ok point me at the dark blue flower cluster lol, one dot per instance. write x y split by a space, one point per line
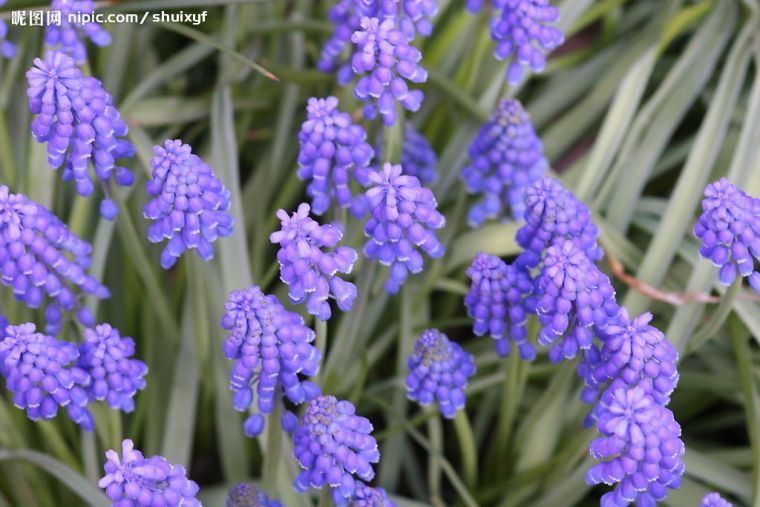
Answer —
310 273
507 156
497 303
69 34
107 357
729 228
78 121
417 156
333 445
365 496
248 495
190 203
334 151
131 480
553 212
521 33
41 373
271 347
403 218
7 48
714 500
438 371
40 257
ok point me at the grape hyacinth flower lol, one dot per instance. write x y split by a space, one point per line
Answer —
403 218
439 370
310 273
78 121
333 445
365 496
507 156
132 480
729 228
553 212
521 33
417 156
271 347
3 325
496 302
107 357
40 257
41 373
7 48
571 297
190 203
385 61
70 34
714 500
334 151
248 495
640 446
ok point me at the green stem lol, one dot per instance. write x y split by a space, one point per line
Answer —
9 164
468 448
117 434
273 445
435 435
718 317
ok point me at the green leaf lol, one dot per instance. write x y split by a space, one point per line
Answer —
493 239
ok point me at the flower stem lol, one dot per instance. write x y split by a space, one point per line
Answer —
325 498
435 435
273 446
468 448
320 328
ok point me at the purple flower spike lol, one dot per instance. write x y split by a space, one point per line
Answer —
507 157
271 347
439 370
553 212
729 228
714 500
497 303
39 371
403 219
310 273
78 121
365 496
7 48
135 481
333 445
640 446
385 61
116 377
334 150
571 296
190 203
521 34
417 156
40 257
248 495
70 34
3 325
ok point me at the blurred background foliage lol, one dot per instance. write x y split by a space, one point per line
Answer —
646 102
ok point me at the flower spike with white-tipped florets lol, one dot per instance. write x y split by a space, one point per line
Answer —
131 480
271 347
189 206
714 500
69 34
311 274
365 496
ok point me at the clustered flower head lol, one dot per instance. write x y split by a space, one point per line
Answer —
729 228
553 212
131 480
7 48
333 445
496 302
521 33
248 495
365 496
189 206
40 257
41 374
438 371
571 296
417 156
333 152
403 218
385 61
640 446
714 500
271 347
78 121
70 34
107 357
507 156
310 273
